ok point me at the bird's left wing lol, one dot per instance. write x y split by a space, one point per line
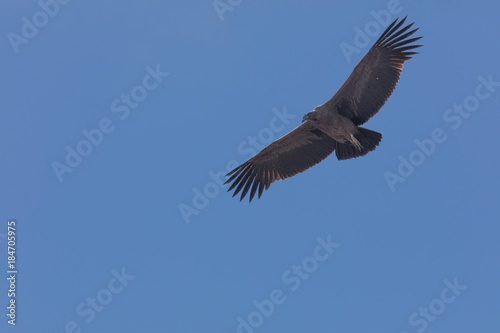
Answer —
373 80
294 153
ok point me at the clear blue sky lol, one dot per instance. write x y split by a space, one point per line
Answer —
118 119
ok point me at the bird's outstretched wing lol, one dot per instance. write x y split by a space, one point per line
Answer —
295 152
373 80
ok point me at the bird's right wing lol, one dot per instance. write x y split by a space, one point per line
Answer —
294 153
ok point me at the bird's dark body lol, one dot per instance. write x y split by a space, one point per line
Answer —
336 125
329 120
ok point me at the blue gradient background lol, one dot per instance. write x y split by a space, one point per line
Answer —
120 208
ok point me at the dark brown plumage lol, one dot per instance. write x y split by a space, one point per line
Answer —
333 126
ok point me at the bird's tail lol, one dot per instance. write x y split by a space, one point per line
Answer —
362 142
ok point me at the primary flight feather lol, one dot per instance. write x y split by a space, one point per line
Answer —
335 125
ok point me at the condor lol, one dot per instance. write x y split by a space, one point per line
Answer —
335 125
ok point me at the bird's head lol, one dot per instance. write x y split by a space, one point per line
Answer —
312 116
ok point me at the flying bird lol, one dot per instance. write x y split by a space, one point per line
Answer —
335 125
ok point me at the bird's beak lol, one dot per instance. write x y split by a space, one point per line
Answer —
309 116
